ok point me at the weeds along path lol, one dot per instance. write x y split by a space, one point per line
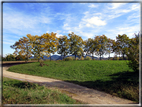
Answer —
89 96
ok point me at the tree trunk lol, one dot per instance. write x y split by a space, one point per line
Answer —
64 55
75 56
100 56
92 57
123 57
50 57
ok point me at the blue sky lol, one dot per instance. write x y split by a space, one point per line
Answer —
84 19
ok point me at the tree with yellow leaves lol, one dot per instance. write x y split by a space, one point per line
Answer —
101 45
23 48
51 43
90 46
76 44
122 44
110 46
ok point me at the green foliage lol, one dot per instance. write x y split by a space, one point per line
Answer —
133 53
63 46
68 59
113 77
121 45
18 92
88 58
76 44
115 57
101 45
9 57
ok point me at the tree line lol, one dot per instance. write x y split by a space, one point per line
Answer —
49 43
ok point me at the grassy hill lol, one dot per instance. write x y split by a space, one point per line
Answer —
113 77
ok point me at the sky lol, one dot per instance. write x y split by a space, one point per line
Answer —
84 19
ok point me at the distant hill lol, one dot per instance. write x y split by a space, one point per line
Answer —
57 57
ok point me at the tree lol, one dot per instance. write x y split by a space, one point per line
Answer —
38 46
133 53
76 44
90 46
9 57
101 45
63 46
110 44
116 48
122 43
23 47
51 43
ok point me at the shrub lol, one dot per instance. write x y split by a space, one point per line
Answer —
47 60
133 53
9 57
41 60
68 59
82 58
59 60
88 58
76 58
115 57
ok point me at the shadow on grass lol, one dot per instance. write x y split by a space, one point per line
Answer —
124 84
15 63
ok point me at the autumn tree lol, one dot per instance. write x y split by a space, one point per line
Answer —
23 48
110 45
90 46
63 46
51 43
101 45
38 46
76 44
122 43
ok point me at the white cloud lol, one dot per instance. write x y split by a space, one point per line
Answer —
116 5
94 21
117 12
135 7
126 29
93 6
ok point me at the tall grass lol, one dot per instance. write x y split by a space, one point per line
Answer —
113 77
18 92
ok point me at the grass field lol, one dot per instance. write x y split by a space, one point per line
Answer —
113 77
18 92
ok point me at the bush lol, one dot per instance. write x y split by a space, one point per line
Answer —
41 60
133 53
88 58
82 58
47 59
76 58
9 57
68 59
116 58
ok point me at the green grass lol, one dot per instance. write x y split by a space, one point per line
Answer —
18 92
113 77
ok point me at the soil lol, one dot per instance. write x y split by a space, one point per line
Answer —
80 93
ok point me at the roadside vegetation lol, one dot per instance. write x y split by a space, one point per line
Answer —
117 77
111 76
18 92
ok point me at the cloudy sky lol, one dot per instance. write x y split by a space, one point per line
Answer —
84 19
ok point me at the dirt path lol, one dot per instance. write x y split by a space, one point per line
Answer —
77 92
